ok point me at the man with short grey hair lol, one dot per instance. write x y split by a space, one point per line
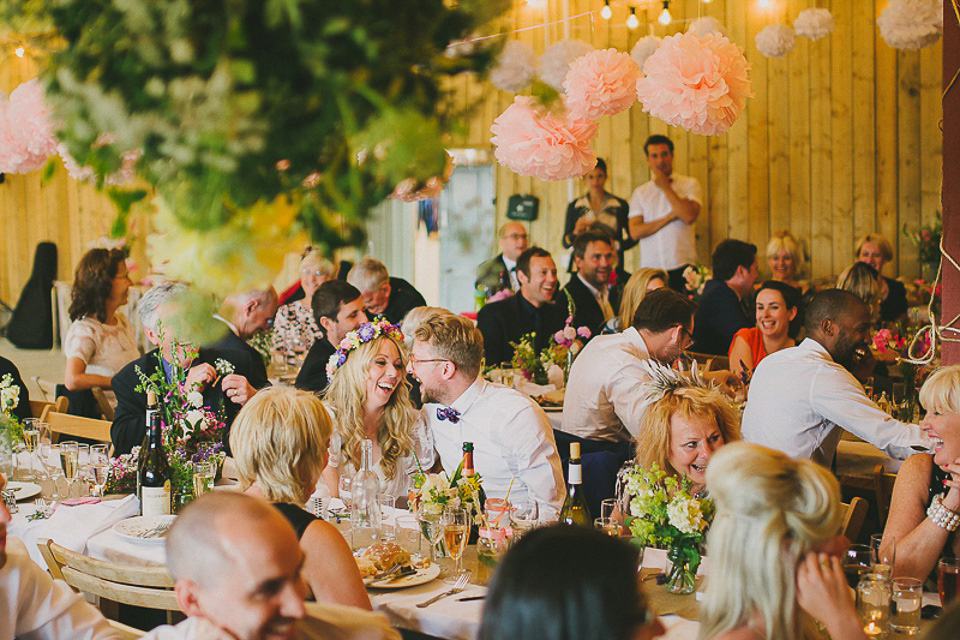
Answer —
245 314
236 562
383 295
158 308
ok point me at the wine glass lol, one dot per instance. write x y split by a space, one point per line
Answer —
344 486
70 459
884 554
857 561
456 532
31 439
50 459
431 524
99 468
525 516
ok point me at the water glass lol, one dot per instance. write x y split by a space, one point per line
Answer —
607 507
99 467
906 603
431 526
388 506
873 605
345 490
948 579
608 525
883 554
857 562
525 516
50 459
203 474
408 533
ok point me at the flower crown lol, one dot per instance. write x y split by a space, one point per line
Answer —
361 335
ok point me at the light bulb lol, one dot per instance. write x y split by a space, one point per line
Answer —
665 16
707 1
537 4
606 13
632 21
763 4
19 52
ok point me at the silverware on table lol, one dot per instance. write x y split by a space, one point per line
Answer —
458 586
471 598
155 532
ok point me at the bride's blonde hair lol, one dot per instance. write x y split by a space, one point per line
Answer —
771 511
346 396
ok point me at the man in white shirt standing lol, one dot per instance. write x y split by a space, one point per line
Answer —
800 396
34 605
511 435
663 212
605 398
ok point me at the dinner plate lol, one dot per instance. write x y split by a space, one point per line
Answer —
551 409
422 576
23 490
131 528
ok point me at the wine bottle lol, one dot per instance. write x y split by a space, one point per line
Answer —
574 509
153 477
467 464
365 523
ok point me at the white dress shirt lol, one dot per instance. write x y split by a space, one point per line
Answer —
511 437
511 266
33 605
604 398
799 396
675 244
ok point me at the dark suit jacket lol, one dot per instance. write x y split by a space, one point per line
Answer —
588 312
403 297
493 275
22 410
718 318
313 373
129 422
895 305
233 342
506 321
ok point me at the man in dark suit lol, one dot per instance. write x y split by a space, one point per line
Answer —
382 295
338 309
244 315
231 392
594 300
500 273
721 313
531 309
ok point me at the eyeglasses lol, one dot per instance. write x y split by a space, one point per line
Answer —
687 333
415 361
312 272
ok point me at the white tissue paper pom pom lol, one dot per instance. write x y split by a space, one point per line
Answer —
555 61
707 24
644 48
776 40
515 68
911 24
813 23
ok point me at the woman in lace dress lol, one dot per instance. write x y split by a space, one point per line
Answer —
100 341
295 328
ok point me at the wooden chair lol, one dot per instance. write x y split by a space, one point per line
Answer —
105 407
704 360
883 487
64 424
149 587
37 407
124 632
48 390
853 517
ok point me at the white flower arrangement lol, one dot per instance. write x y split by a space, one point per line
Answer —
813 23
515 68
911 24
776 40
9 394
195 398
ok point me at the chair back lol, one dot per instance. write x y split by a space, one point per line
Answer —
60 405
124 632
64 424
883 487
853 517
149 587
105 407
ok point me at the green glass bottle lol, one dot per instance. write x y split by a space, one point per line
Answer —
574 509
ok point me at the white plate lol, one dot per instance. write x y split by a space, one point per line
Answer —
132 527
23 490
422 576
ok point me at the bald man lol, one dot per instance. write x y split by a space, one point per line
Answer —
500 273
244 315
236 562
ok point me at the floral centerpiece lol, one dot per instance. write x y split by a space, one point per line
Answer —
892 346
695 277
663 513
11 431
927 240
560 352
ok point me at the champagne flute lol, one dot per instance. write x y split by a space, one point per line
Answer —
31 439
99 468
70 459
456 532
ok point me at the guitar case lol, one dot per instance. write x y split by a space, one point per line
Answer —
31 326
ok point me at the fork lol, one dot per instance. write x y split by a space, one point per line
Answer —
458 586
158 530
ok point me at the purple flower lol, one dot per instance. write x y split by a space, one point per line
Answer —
341 358
366 332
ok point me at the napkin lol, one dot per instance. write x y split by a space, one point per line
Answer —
71 528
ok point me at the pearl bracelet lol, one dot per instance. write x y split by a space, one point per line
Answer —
942 516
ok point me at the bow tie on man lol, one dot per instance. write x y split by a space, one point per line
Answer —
446 413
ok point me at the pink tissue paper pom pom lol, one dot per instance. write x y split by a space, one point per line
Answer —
601 83
698 83
30 129
534 142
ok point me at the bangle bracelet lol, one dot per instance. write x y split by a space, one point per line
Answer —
942 516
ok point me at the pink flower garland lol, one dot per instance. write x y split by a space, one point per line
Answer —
601 83
26 133
533 142
698 83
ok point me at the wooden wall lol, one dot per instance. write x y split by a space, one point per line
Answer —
841 139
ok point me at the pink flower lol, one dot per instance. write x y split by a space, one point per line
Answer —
570 334
881 340
601 83
583 332
534 142
559 338
698 83
29 132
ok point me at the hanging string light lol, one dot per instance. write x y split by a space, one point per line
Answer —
632 21
606 13
665 16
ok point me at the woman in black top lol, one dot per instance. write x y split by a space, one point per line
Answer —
598 208
280 440
876 251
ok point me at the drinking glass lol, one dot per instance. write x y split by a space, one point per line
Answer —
431 526
408 533
883 554
607 507
497 511
608 525
906 602
525 516
70 459
31 438
948 578
99 467
203 475
388 506
873 604
50 459
344 488
83 468
456 532
857 561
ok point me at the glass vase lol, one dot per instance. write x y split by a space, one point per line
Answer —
681 575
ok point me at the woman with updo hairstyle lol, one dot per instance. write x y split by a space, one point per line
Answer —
369 399
863 281
770 573
294 323
568 583
100 341
279 442
640 283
